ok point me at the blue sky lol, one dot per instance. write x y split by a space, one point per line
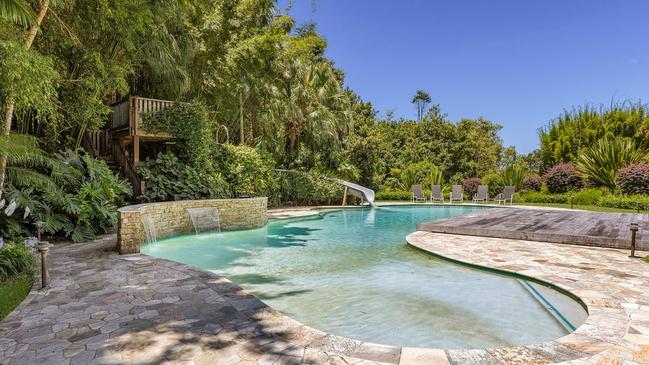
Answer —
517 63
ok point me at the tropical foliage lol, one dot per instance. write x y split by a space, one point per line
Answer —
514 176
189 124
580 128
72 193
600 163
166 178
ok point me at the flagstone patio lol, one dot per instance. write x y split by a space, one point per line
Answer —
106 308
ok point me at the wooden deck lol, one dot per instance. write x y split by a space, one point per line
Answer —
557 226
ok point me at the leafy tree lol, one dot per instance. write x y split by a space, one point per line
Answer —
421 101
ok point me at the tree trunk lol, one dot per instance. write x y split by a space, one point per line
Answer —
11 102
241 131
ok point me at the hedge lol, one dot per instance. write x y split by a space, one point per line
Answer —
624 202
395 195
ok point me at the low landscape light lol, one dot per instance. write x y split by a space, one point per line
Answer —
634 229
572 200
43 248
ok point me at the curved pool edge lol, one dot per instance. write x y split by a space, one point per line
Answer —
598 334
600 339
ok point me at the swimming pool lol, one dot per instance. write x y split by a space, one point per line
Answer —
350 273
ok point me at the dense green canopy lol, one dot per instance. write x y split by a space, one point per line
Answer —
256 72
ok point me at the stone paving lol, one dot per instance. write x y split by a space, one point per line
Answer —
106 308
614 287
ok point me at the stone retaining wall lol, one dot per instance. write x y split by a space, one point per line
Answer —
171 218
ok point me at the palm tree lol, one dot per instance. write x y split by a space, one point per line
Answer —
421 100
17 11
306 106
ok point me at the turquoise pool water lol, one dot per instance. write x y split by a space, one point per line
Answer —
350 273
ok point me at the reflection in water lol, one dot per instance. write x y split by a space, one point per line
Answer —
350 273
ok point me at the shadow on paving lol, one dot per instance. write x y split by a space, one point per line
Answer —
111 309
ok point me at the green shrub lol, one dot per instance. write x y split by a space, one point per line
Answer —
624 201
634 179
587 196
304 188
166 178
393 195
537 197
15 259
247 170
190 124
532 182
562 178
495 183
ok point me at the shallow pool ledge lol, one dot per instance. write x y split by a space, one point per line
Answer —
610 284
171 218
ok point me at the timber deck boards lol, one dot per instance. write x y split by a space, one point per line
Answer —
556 226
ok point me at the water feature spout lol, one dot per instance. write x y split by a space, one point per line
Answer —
205 219
149 228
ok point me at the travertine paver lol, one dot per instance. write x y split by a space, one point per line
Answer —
135 309
547 225
614 287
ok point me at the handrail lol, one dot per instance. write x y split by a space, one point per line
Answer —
119 156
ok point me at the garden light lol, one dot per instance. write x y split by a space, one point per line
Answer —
634 228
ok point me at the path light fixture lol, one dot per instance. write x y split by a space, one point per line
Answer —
637 206
43 247
39 228
634 228
572 200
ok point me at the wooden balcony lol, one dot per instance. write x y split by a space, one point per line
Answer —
127 116
126 123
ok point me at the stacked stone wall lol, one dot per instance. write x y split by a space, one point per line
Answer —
171 218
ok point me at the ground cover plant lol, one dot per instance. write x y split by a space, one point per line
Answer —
17 265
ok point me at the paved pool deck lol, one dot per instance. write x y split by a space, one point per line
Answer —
548 225
106 308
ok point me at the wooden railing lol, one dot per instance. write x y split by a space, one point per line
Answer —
120 158
145 105
129 113
97 143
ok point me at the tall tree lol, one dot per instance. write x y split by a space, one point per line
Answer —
29 40
421 101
